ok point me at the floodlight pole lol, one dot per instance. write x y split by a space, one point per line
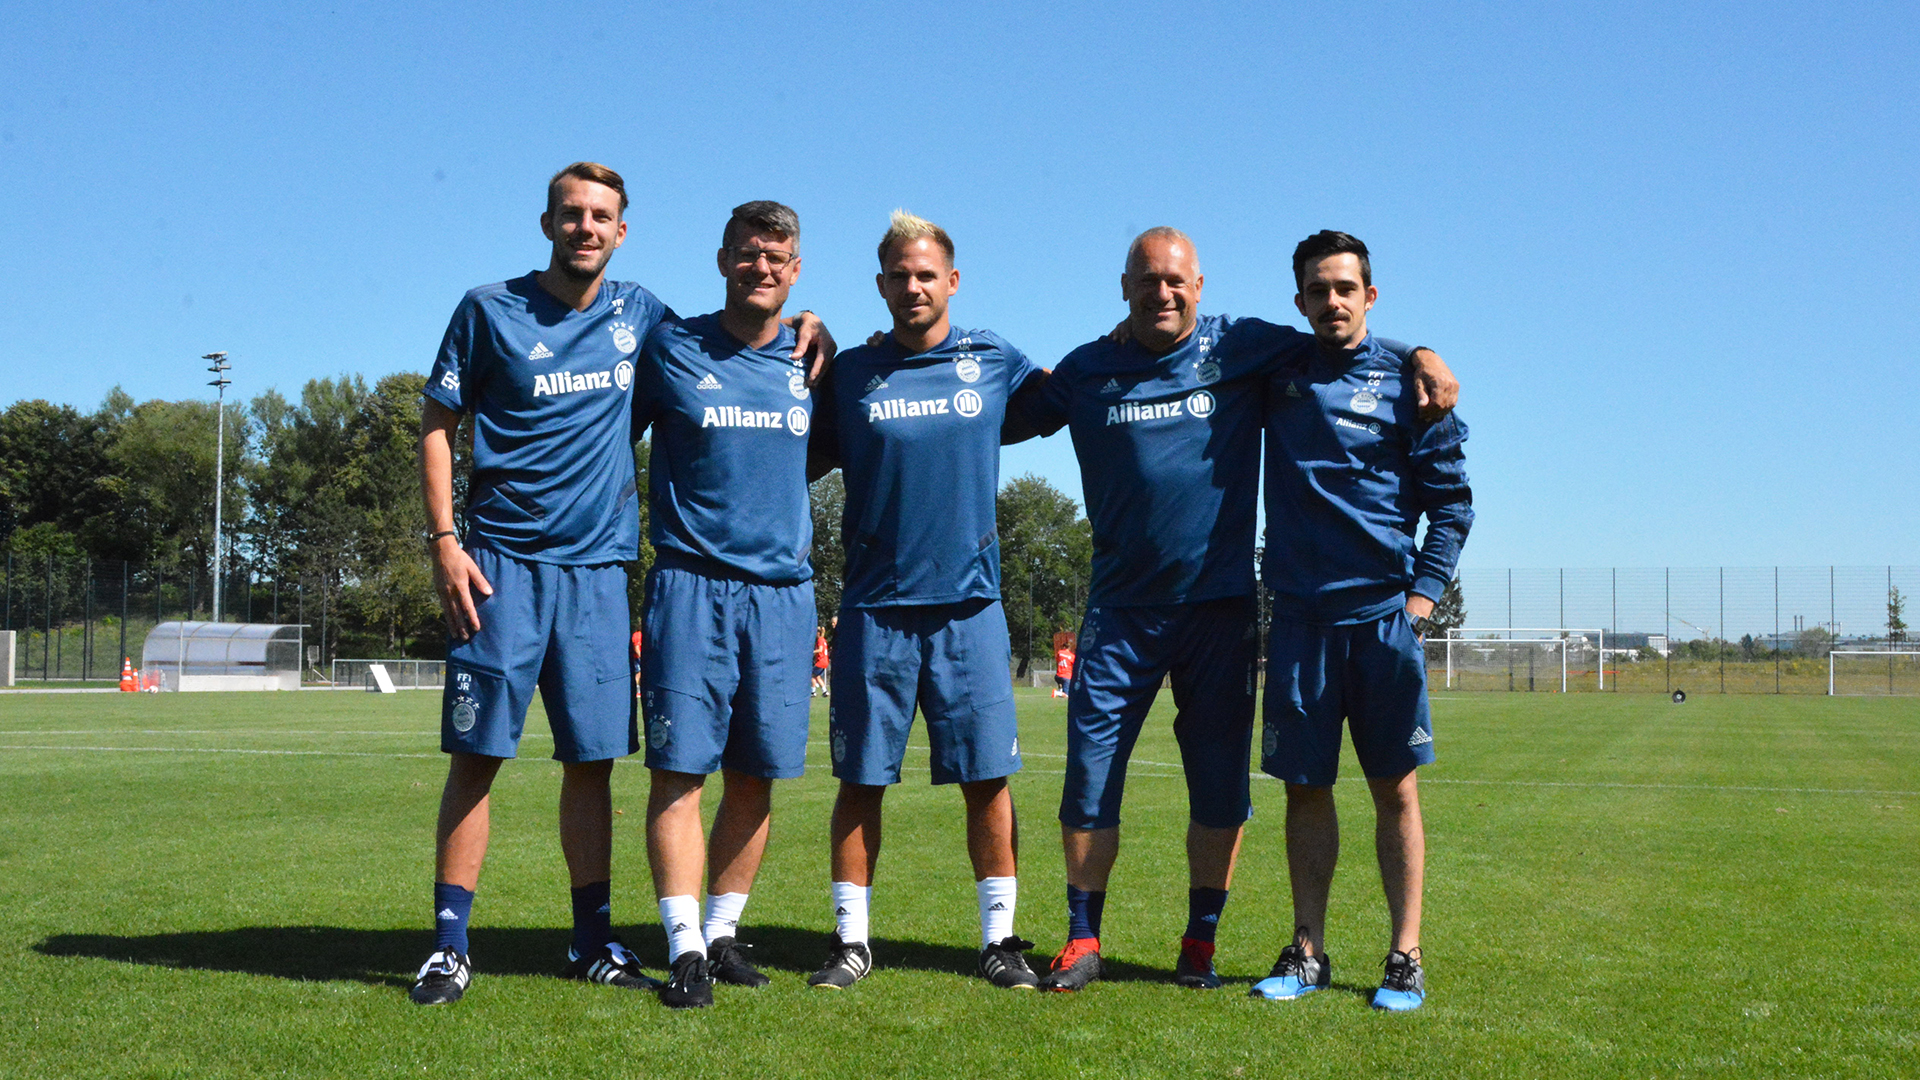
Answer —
220 382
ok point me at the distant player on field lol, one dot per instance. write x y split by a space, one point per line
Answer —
730 595
1351 470
537 597
1166 425
821 655
1062 667
919 427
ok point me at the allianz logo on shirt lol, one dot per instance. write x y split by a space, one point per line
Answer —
1197 404
795 419
967 403
566 382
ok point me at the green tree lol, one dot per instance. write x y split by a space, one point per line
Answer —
829 498
163 452
1896 615
1046 560
1451 611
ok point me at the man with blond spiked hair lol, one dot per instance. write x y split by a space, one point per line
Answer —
918 418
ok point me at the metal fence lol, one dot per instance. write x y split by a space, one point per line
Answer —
406 674
80 619
1733 629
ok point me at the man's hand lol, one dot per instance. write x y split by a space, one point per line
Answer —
1418 607
875 339
1121 333
811 338
1436 388
456 579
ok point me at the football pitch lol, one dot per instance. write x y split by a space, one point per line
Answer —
237 885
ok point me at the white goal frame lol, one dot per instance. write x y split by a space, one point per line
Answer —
1861 652
1537 634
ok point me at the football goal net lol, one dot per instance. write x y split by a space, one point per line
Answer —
1879 672
1531 659
406 674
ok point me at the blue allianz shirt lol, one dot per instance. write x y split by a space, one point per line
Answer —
1169 449
1351 469
728 481
917 437
550 390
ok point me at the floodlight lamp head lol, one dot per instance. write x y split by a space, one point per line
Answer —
215 356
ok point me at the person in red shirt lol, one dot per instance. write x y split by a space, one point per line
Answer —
820 656
1062 669
636 663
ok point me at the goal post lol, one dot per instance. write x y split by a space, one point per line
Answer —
1481 657
1873 671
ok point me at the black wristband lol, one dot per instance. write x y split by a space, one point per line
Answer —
431 537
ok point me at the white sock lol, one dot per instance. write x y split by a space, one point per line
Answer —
681 916
723 915
850 910
997 896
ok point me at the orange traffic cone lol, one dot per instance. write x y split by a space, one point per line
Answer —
129 682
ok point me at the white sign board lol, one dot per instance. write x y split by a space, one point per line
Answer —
378 680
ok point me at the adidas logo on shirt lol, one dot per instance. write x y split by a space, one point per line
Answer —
878 383
1293 390
1112 387
540 352
708 383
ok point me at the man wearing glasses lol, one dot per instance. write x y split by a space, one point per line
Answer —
729 615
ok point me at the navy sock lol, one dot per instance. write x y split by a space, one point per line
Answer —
1083 912
592 917
1203 912
452 907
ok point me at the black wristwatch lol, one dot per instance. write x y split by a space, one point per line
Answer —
1422 625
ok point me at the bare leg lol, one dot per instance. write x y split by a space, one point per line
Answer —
586 820
993 835
1090 855
855 832
740 830
1400 840
1211 854
1313 847
460 839
676 849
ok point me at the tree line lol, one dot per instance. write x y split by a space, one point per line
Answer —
321 498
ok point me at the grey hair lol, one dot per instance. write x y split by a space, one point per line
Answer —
1160 232
764 216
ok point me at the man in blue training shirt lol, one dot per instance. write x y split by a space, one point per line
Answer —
537 596
918 425
729 615
1351 469
1166 424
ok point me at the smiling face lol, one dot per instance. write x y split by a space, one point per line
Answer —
916 280
755 284
585 226
1162 289
1335 298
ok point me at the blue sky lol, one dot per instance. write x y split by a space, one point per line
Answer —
1671 249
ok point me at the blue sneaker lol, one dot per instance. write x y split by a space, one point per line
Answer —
1405 987
1294 975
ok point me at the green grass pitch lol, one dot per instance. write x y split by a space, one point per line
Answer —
236 885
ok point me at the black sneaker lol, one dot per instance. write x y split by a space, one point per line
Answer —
611 965
688 985
847 963
727 963
1405 987
1003 965
1295 975
1194 969
442 979
1077 965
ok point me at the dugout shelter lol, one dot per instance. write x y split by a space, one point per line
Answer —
223 656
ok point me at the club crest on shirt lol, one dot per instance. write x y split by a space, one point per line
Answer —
465 712
1207 372
623 338
1364 401
967 368
797 385
659 730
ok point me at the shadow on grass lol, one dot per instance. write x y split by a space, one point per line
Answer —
389 957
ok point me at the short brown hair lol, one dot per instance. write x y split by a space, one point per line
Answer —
587 170
907 227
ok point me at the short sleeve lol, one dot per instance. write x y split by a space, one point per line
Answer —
649 380
452 382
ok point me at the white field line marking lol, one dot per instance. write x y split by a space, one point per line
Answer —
191 731
214 750
1674 787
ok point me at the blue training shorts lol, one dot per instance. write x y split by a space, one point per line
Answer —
952 660
564 629
1125 652
724 677
1372 675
